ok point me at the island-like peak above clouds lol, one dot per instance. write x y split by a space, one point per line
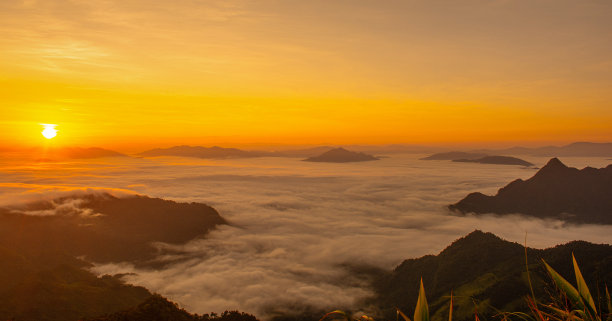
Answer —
555 191
454 155
341 155
498 160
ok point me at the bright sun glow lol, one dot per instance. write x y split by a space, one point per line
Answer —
49 131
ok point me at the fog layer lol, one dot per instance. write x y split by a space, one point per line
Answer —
297 228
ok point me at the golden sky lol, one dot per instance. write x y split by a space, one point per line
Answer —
145 72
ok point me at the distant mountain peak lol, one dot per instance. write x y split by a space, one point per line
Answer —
475 238
555 163
553 167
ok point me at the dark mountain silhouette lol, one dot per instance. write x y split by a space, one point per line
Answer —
42 279
499 160
454 155
481 268
158 308
341 155
50 285
555 191
103 227
204 152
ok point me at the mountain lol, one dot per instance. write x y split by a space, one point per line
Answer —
204 152
499 160
454 155
91 152
341 155
578 149
303 152
50 285
555 191
43 280
102 227
74 153
485 270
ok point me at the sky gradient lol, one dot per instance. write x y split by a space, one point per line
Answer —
159 73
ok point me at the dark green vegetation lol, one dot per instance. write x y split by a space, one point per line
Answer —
158 308
54 286
555 191
499 160
102 227
341 155
486 274
42 279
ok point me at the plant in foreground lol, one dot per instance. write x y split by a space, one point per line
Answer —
579 304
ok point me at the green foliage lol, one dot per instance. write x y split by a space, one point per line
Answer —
582 307
421 312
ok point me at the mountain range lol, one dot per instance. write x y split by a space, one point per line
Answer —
578 149
555 191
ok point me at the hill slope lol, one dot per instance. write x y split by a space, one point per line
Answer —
484 268
103 227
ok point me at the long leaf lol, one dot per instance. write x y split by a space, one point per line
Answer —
609 305
450 309
399 312
342 313
421 312
565 286
583 290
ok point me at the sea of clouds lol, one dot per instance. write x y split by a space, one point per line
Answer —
297 229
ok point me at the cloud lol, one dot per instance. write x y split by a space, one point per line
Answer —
297 230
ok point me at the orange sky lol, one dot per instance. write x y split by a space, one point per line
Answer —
142 72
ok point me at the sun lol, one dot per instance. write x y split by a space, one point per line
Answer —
49 130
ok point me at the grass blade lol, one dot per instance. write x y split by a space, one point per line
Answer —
609 305
342 313
399 312
421 312
565 286
583 290
450 309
